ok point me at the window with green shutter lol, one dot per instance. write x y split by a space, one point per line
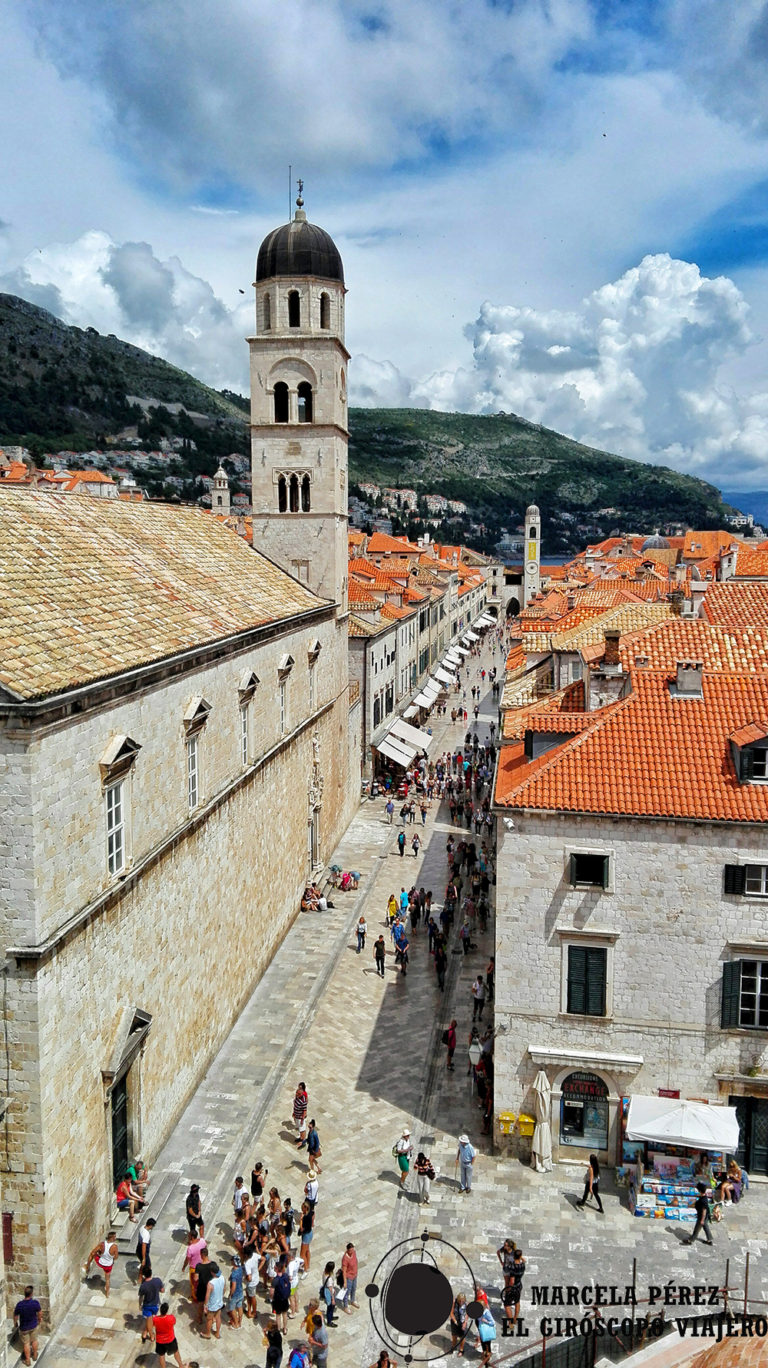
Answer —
734 879
587 974
589 871
745 994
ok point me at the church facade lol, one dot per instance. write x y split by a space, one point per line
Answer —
178 753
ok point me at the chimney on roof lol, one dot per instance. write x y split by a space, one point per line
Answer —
570 602
689 677
611 656
676 599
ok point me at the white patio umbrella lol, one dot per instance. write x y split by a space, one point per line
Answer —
541 1149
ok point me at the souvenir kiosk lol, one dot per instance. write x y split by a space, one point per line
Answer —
663 1141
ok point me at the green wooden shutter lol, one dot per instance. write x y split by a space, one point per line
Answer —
577 979
745 771
572 871
729 1010
735 880
596 975
606 863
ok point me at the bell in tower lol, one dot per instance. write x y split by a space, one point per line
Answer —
299 407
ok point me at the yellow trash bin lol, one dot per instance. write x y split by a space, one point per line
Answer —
526 1124
506 1122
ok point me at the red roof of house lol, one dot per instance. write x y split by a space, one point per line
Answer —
736 605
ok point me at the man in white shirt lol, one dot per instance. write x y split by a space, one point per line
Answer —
478 994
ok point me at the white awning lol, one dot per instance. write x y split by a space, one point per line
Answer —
394 750
672 1121
432 687
411 735
444 676
461 650
411 710
454 656
487 621
470 636
425 700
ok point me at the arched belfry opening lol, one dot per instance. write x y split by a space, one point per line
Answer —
305 402
294 494
305 494
267 313
282 495
281 402
325 310
294 309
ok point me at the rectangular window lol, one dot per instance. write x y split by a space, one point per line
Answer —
756 879
760 763
589 871
587 973
745 994
283 710
193 785
244 735
115 813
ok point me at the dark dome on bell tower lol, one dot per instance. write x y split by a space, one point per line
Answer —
299 248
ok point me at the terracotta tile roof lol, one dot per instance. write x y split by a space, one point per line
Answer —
516 659
390 610
526 688
747 735
628 618
90 588
77 477
561 712
396 565
357 627
652 755
359 595
360 566
413 596
700 545
379 543
736 605
751 563
718 648
355 538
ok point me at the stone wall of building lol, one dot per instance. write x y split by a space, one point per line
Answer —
668 927
184 936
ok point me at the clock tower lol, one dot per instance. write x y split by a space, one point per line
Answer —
531 554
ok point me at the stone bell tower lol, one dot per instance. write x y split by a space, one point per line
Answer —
299 407
532 554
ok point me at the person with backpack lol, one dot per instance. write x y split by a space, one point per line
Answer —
402 1151
425 1174
328 1293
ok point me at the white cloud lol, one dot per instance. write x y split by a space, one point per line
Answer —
634 370
158 305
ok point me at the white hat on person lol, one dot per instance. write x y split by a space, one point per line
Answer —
463 1139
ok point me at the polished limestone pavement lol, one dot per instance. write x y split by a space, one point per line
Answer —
370 1052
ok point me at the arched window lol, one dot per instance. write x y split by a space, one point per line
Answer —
294 493
325 310
218 501
282 495
305 402
294 309
305 494
267 313
532 533
281 402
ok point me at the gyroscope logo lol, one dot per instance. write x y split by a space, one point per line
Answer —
412 1294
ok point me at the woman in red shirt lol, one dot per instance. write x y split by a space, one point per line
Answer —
164 1335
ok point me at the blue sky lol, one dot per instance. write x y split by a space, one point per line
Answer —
555 207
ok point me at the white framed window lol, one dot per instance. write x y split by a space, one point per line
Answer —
760 762
193 773
311 688
283 708
756 879
114 805
245 738
745 994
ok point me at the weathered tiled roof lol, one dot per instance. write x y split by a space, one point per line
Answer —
736 605
92 587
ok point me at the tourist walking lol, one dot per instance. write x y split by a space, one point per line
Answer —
27 1315
236 1295
465 1158
194 1211
459 1323
328 1293
402 1151
105 1254
214 1304
150 1291
449 1039
425 1174
313 1146
592 1183
379 951
415 844
164 1335
273 1339
361 929
478 996
702 1216
401 843
306 1234
510 1297
143 1245
300 1108
486 1334
390 810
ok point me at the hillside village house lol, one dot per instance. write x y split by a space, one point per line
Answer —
632 915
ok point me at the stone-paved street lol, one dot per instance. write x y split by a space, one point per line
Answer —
370 1052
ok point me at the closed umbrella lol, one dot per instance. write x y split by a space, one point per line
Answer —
541 1148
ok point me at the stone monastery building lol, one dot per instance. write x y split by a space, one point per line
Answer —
177 740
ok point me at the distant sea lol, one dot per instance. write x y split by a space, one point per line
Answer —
754 501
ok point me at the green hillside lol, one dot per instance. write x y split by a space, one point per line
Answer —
63 387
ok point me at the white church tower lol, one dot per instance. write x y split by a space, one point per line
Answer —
299 407
532 562
220 502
